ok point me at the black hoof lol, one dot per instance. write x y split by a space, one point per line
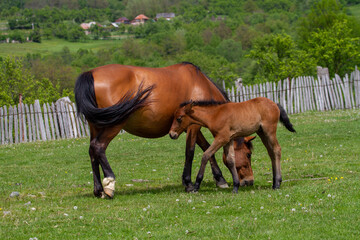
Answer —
189 188
276 187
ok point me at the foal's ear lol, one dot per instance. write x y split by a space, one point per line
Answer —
249 139
188 107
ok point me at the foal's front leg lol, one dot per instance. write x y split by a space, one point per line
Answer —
216 145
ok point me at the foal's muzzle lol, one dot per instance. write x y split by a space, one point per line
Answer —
173 135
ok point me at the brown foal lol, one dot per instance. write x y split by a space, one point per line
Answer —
227 121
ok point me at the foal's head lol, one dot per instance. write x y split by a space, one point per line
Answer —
181 121
243 150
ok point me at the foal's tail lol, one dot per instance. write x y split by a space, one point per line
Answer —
285 119
110 116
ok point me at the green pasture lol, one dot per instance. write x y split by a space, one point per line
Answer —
51 46
319 198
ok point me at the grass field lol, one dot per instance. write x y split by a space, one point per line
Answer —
319 198
50 46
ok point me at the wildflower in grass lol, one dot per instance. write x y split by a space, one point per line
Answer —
65 214
329 195
217 206
287 195
75 207
148 232
261 207
154 170
293 209
207 212
177 200
0 209
189 201
81 217
144 209
186 231
193 208
33 209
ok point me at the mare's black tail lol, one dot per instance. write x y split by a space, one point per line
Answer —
110 116
284 119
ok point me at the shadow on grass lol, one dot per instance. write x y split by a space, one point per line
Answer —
206 188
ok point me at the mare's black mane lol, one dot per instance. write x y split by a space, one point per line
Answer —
219 88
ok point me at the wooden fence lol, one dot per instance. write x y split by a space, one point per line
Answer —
306 93
28 123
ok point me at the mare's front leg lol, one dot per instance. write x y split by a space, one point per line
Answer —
191 134
230 164
100 139
204 145
216 145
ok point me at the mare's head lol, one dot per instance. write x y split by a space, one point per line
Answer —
181 121
243 150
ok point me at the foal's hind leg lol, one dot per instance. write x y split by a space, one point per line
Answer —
268 137
100 139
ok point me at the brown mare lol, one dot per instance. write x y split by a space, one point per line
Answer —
227 121
141 101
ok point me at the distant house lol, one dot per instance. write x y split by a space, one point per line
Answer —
140 19
87 26
122 20
167 16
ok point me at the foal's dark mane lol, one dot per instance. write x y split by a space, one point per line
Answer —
202 103
219 88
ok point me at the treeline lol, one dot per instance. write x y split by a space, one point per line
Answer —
257 40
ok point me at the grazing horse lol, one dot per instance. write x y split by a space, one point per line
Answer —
141 101
227 121
243 150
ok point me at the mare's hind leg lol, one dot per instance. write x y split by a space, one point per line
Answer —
268 137
230 164
204 145
100 139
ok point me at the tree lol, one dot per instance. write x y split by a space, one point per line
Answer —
35 35
14 80
323 15
277 58
335 48
230 50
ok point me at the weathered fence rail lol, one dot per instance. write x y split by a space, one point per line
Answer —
305 93
28 123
